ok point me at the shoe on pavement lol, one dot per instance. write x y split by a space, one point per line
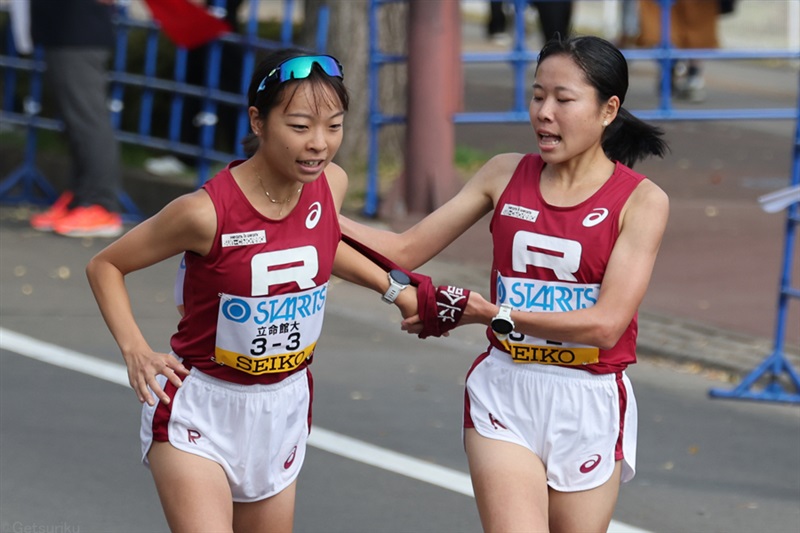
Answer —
44 221
89 221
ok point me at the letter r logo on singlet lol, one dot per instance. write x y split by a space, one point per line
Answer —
562 256
298 265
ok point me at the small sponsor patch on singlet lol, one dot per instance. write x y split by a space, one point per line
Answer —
244 239
269 334
522 213
524 294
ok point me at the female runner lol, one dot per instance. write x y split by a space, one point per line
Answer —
550 416
226 415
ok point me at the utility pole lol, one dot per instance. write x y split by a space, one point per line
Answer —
434 95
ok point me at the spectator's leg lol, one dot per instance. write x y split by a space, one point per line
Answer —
497 19
79 81
555 17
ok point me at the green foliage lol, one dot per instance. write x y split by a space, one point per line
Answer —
469 159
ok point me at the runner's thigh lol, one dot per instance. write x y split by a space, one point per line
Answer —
273 515
510 484
596 507
194 491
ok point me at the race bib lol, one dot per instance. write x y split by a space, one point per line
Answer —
269 334
549 297
532 350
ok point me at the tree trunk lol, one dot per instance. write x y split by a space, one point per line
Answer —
348 41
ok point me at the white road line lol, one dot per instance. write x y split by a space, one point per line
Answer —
398 463
63 357
323 439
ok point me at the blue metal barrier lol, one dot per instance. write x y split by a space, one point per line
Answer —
27 184
35 186
776 366
520 58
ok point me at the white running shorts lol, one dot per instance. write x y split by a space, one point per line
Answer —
570 418
257 433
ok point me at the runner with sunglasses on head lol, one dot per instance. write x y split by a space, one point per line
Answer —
550 416
226 415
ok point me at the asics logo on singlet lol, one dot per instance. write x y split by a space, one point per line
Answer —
591 464
314 215
595 217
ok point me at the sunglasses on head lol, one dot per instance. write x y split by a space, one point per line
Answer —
298 68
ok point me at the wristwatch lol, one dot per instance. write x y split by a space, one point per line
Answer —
398 280
502 324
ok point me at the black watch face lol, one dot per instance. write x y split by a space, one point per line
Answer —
400 277
502 326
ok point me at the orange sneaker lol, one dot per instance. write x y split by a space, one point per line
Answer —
89 221
44 221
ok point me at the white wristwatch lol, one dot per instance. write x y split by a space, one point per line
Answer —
502 325
398 280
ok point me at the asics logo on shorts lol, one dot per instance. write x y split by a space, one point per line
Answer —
289 460
496 424
591 464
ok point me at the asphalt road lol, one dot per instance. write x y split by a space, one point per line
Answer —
69 452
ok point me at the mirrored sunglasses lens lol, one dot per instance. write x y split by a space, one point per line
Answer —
300 67
297 68
329 65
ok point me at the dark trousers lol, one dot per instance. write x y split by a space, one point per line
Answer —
555 17
497 18
229 81
77 78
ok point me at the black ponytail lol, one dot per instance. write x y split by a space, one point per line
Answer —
630 140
